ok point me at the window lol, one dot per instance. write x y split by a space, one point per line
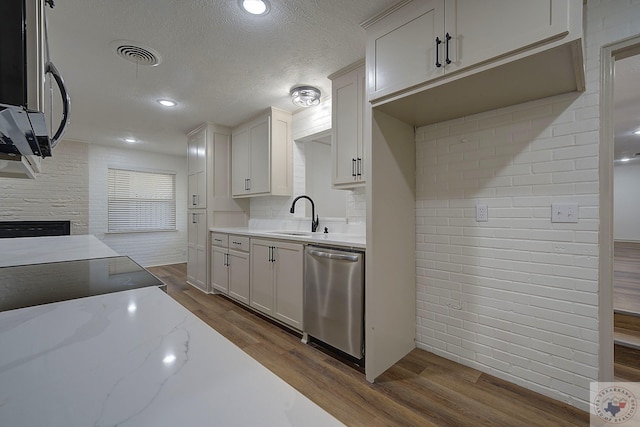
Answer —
141 201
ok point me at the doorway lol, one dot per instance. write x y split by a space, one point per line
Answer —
619 210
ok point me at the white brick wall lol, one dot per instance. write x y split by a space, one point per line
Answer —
60 192
147 249
517 296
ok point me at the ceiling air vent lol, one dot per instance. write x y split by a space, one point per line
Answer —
136 53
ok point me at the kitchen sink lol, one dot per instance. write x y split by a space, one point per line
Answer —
292 233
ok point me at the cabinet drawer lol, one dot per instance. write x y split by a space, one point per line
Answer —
239 243
218 239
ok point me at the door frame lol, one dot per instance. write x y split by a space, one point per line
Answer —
609 54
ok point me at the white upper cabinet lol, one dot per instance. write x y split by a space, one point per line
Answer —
419 41
197 165
402 47
483 30
262 156
347 116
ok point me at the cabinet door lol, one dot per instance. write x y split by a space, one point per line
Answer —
219 269
192 228
197 190
288 283
262 271
201 269
196 158
240 162
348 104
239 283
221 166
401 48
260 157
192 261
485 30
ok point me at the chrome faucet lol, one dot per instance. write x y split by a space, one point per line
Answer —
314 222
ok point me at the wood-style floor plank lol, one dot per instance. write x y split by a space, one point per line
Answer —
422 389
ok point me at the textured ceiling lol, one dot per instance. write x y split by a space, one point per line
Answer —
219 63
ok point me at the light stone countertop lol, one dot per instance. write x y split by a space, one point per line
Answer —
349 241
135 358
38 250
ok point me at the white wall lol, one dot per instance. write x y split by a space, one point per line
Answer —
60 192
148 249
626 202
517 296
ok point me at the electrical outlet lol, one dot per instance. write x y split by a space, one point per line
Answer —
564 212
482 213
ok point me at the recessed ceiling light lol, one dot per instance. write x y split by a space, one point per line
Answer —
637 132
130 140
625 159
255 7
167 102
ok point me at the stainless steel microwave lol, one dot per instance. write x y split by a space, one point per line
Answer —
24 70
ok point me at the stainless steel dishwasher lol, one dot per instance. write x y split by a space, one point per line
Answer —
333 310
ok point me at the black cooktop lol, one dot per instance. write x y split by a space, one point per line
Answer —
28 285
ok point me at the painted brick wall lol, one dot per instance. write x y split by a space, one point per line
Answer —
148 249
60 192
517 296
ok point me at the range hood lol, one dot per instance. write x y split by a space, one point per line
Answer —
24 135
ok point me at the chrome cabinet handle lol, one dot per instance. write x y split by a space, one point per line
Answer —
193 200
193 219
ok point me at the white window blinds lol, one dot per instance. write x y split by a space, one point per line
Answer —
141 201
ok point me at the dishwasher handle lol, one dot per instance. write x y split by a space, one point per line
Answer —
331 255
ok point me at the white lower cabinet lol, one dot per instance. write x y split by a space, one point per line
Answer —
276 280
230 266
239 284
197 249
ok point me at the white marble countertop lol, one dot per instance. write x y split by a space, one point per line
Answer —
135 358
353 241
38 250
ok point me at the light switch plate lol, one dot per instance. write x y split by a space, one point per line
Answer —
564 212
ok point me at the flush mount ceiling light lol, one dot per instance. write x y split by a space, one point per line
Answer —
130 140
625 159
255 7
167 102
305 96
637 132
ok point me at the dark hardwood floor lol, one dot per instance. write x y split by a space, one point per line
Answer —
420 390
